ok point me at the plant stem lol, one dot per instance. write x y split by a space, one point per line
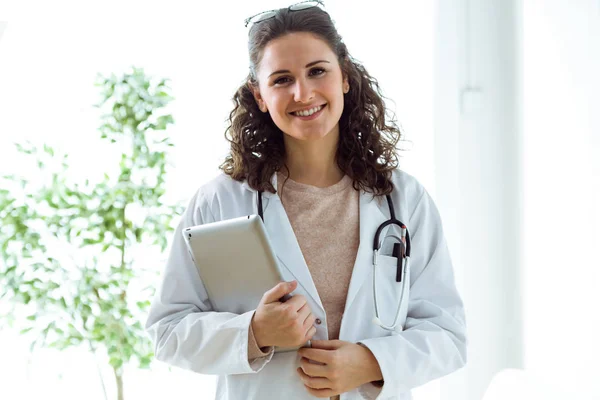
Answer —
119 378
124 293
99 371
124 237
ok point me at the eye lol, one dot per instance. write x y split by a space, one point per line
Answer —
280 80
320 71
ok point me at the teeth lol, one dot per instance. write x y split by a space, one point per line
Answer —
306 113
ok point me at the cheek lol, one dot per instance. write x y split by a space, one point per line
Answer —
335 93
279 104
337 97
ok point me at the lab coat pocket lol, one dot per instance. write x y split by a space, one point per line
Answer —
392 296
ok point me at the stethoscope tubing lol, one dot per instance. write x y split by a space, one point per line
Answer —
405 255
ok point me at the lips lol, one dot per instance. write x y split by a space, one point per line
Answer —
311 117
321 106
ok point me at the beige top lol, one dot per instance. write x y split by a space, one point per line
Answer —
314 214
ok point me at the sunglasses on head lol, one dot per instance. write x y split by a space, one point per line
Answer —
265 15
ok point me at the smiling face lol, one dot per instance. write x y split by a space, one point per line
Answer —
299 72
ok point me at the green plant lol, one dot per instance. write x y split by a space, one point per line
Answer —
68 249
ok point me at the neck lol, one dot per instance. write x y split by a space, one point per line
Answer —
313 162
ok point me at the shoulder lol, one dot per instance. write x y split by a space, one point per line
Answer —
221 198
407 189
221 184
415 203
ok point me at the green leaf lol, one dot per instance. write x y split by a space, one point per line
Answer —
145 362
163 121
48 150
89 242
90 220
143 304
116 363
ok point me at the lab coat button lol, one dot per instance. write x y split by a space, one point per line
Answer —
318 321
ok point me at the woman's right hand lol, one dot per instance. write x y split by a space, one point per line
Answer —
288 324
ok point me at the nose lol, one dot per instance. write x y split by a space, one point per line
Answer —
303 91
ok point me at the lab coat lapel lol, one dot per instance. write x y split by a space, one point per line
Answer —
373 212
285 244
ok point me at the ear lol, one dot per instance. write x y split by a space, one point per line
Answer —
259 100
345 84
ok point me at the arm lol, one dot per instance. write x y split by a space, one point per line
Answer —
372 365
254 351
185 330
433 342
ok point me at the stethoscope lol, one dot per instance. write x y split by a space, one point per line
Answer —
401 251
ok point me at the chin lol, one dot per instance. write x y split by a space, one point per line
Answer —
311 134
306 137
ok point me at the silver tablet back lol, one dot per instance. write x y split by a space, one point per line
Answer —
235 261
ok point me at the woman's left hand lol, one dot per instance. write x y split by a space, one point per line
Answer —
342 366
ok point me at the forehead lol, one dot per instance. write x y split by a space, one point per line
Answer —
293 51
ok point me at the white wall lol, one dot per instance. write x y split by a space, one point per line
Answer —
562 191
517 170
477 144
2 28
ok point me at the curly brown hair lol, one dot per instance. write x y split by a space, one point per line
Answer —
367 146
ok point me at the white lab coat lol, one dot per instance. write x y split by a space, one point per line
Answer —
188 334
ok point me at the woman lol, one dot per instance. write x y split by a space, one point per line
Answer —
309 137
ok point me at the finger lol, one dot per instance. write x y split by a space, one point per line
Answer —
314 370
278 291
304 313
310 333
320 393
327 344
309 322
314 382
296 303
323 356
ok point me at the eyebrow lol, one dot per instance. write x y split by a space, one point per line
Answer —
283 71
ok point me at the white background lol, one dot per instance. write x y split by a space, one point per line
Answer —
499 98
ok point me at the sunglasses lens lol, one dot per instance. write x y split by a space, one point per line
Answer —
296 7
262 17
304 6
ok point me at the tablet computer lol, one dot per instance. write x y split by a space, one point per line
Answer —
235 262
